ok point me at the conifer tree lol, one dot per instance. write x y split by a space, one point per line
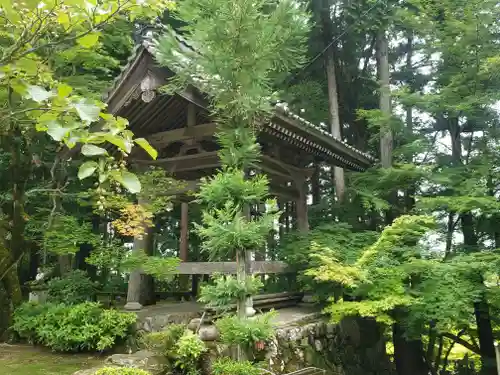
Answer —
239 51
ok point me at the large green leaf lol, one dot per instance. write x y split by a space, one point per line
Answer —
28 64
63 19
38 94
147 147
93 150
63 90
89 40
88 112
130 182
119 142
56 131
87 169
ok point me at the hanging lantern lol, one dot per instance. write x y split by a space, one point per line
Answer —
260 345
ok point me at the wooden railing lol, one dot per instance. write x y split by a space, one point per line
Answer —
209 268
268 301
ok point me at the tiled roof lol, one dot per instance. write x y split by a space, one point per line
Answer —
283 108
147 46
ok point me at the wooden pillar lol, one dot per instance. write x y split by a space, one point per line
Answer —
288 211
135 280
184 243
148 296
260 254
301 208
184 235
293 216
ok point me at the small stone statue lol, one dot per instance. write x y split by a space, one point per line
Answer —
39 296
40 275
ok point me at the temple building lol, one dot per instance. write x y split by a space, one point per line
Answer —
180 127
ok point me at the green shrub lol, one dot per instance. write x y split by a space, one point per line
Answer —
27 318
121 371
75 287
164 342
246 332
115 284
86 326
226 366
188 350
180 346
226 290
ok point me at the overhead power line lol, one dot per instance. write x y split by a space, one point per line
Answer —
331 43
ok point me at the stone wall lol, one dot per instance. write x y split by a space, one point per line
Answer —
155 322
353 347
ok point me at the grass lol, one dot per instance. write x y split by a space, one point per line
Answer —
28 360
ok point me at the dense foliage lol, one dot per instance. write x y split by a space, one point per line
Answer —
73 288
188 350
164 342
55 58
226 366
412 242
236 67
70 328
181 348
246 332
430 274
227 290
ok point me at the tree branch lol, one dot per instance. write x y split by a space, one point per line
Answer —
14 264
57 190
120 7
12 114
472 347
445 359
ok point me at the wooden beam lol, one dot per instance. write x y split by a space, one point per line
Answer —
183 134
189 187
192 94
185 188
210 159
129 81
289 193
209 268
291 169
185 163
191 115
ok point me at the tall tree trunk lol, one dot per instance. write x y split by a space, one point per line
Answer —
495 219
385 99
485 335
450 229
333 101
408 354
18 175
481 307
385 108
410 191
10 288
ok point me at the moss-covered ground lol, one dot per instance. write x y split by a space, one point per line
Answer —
28 360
